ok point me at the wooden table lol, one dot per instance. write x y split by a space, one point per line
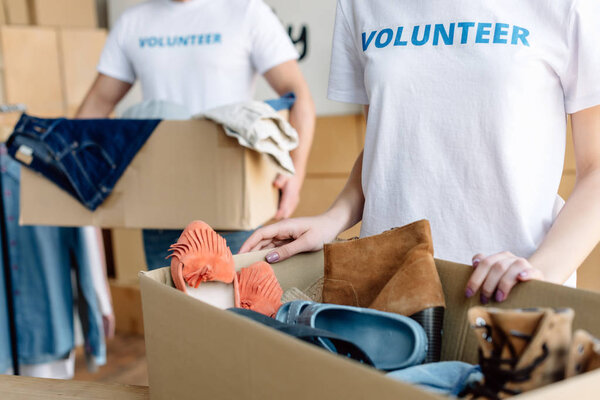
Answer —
19 388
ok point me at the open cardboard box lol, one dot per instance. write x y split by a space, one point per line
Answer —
197 351
187 170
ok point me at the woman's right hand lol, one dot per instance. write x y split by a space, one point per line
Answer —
292 236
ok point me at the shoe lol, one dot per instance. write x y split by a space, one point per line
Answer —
259 289
520 350
584 355
392 272
391 341
289 312
317 337
200 255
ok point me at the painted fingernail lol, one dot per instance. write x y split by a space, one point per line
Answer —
476 262
469 293
483 298
523 274
272 257
499 295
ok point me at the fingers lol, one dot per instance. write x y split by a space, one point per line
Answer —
496 273
299 245
511 278
481 272
265 233
280 181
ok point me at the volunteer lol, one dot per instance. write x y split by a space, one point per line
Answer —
203 54
467 105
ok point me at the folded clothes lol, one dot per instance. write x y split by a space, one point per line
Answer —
84 157
257 125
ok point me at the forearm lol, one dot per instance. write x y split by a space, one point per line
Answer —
347 209
302 118
574 234
102 97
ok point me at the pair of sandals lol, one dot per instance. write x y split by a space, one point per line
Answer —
386 341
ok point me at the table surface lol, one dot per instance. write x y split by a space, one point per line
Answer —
17 387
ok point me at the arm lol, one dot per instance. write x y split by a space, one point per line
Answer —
284 78
572 236
300 235
102 97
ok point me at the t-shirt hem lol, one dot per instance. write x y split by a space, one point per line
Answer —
581 103
278 61
116 75
347 97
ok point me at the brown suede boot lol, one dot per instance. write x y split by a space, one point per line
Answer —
584 355
394 272
520 350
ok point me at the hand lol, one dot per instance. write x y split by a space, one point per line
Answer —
496 275
108 323
292 236
290 186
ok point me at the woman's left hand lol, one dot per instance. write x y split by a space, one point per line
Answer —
497 274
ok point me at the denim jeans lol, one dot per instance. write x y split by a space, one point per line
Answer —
449 377
41 261
157 242
86 158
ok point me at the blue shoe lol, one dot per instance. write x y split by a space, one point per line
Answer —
289 312
391 340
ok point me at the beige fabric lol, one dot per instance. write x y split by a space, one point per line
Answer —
257 126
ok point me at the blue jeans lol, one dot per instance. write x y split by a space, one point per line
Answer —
449 377
157 242
41 259
86 158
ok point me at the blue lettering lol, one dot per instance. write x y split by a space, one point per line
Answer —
143 42
483 28
200 39
399 41
465 26
182 40
447 36
217 38
379 43
366 42
500 31
153 42
415 35
192 39
171 41
520 33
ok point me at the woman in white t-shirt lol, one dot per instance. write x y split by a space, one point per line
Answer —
467 105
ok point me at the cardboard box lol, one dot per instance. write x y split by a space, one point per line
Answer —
31 71
127 305
64 13
16 12
187 170
337 142
80 51
194 349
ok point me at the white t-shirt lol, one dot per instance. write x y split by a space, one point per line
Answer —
200 53
467 111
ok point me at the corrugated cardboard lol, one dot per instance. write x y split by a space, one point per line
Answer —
80 51
195 350
16 12
187 170
32 71
337 142
64 13
128 308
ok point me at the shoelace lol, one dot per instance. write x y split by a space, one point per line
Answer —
497 377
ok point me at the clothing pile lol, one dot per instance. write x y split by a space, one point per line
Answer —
381 303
